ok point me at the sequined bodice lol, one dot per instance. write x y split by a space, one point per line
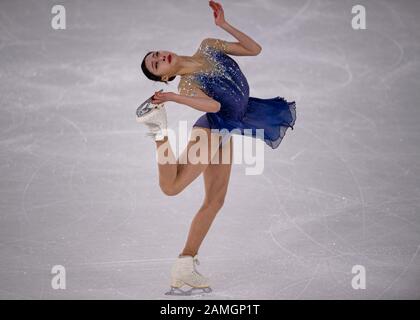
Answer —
220 78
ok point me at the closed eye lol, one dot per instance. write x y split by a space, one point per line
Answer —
157 55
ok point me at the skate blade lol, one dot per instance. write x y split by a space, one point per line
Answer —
190 292
143 110
146 106
142 115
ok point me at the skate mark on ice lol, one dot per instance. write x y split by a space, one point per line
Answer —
401 274
75 126
355 180
25 190
308 282
297 227
291 22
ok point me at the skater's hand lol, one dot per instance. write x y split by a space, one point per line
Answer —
162 97
219 15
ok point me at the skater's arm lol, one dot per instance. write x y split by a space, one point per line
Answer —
245 47
199 100
201 103
191 95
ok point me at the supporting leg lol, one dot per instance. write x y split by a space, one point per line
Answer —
216 181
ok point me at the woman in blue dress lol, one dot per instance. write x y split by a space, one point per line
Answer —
212 82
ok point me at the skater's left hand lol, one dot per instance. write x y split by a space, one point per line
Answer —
218 13
161 97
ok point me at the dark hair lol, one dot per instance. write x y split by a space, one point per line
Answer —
150 75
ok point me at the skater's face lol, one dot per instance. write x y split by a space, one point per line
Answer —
161 63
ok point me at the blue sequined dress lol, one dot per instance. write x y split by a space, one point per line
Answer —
221 79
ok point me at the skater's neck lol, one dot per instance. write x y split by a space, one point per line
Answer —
188 65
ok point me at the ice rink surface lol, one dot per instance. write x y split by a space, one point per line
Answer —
79 181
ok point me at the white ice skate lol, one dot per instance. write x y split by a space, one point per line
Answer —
184 273
146 106
154 117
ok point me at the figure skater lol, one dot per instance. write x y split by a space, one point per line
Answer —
212 82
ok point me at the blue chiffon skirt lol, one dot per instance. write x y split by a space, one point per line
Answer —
274 115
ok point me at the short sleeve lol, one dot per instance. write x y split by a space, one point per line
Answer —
186 87
218 44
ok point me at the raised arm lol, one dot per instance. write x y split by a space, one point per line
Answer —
245 45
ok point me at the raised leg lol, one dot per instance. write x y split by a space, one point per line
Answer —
175 175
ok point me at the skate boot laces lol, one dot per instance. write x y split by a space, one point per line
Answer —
196 262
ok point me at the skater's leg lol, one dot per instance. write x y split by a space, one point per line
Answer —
216 180
175 175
